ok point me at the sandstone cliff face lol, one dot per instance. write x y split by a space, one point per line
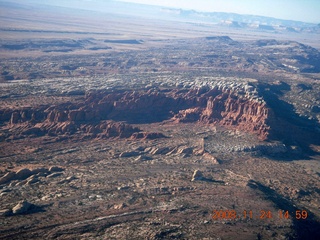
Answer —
228 110
93 114
246 115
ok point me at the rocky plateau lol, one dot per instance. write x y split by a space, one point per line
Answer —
121 127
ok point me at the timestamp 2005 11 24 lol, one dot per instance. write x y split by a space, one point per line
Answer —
262 214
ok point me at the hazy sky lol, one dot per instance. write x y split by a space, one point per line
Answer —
301 10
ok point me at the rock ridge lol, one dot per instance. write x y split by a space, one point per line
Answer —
101 113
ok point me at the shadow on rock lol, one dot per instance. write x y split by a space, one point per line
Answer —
308 228
287 126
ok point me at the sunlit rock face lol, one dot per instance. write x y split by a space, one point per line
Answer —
99 113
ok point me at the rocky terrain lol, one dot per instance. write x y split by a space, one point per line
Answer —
219 53
217 105
99 157
134 130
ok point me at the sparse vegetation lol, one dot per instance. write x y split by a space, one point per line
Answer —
102 126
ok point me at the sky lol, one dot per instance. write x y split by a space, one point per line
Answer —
299 10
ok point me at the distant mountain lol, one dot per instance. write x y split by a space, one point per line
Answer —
232 20
246 21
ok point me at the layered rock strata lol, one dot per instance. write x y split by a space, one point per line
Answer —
99 114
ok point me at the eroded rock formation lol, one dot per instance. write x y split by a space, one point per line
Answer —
228 110
99 114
